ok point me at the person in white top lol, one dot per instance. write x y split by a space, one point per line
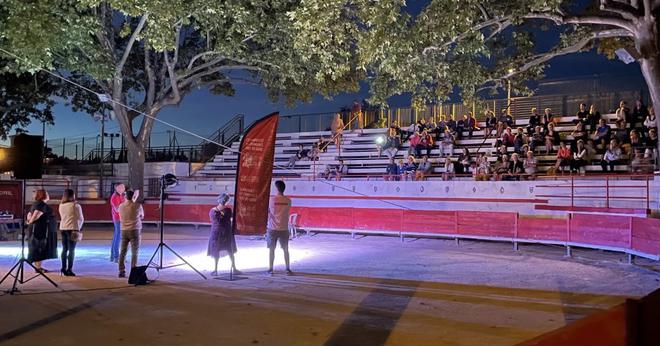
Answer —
278 226
71 222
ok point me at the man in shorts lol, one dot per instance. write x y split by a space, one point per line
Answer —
278 225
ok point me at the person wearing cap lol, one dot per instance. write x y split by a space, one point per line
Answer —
221 239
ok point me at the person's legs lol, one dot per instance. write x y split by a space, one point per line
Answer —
116 239
284 244
66 235
72 254
122 253
215 271
135 247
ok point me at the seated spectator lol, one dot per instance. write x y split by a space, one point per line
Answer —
446 145
391 171
636 142
581 114
622 134
483 169
463 162
391 145
647 163
622 115
548 118
325 172
425 143
397 130
536 139
611 157
519 140
508 137
652 141
471 124
593 118
506 118
412 144
530 164
322 144
441 126
449 170
501 169
501 151
639 113
409 169
650 122
516 167
424 169
564 157
401 169
461 125
299 155
551 138
579 158
490 123
339 171
534 121
451 123
603 134
420 125
579 134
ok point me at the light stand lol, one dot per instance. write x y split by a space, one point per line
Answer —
165 181
18 270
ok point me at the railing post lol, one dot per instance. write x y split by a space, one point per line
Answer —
648 195
572 191
607 191
568 234
515 231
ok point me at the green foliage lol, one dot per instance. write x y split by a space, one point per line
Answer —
24 98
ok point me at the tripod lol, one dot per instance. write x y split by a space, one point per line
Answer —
18 270
166 180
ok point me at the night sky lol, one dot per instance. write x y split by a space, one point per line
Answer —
210 111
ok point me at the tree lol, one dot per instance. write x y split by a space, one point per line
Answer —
24 98
148 55
477 45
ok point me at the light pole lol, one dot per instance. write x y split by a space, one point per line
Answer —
508 92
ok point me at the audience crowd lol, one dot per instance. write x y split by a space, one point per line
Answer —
629 139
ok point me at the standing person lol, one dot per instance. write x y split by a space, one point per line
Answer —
42 237
593 118
337 130
356 113
130 215
71 221
222 238
116 200
278 226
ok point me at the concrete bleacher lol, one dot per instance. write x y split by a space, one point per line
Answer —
360 153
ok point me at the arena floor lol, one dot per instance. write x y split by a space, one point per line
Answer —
365 291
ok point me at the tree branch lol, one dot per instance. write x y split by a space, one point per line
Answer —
131 41
595 20
574 48
501 24
627 11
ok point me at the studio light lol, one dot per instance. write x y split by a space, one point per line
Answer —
380 140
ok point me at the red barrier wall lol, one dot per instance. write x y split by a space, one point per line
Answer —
627 233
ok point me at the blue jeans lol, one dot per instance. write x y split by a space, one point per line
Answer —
116 239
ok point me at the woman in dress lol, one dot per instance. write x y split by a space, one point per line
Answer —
221 240
42 236
71 221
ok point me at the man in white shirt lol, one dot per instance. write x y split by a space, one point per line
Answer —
131 214
278 225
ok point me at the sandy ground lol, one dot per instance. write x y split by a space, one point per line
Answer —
365 291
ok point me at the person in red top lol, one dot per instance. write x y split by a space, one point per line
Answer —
564 157
116 199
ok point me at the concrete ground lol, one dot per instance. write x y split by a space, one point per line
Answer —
366 291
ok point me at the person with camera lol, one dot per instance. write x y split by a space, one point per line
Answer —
71 221
130 216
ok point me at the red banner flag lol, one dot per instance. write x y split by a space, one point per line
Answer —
253 176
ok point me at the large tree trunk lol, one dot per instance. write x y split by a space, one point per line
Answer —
135 165
651 72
